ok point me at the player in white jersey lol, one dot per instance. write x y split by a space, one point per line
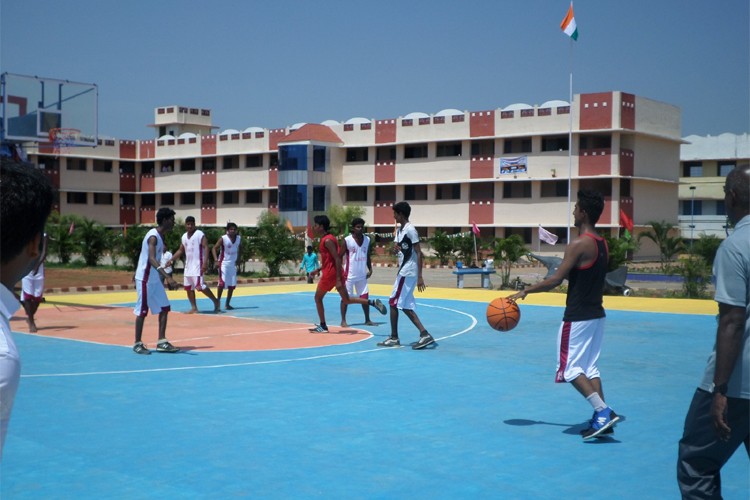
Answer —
229 248
195 249
149 276
32 288
355 255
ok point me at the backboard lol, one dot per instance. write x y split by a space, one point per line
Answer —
33 106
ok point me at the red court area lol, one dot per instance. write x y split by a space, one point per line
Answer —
190 332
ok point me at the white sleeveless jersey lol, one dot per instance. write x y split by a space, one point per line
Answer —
229 250
193 253
145 271
356 258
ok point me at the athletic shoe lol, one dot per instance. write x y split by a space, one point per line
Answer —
424 341
602 421
390 342
165 346
228 307
318 329
379 306
139 348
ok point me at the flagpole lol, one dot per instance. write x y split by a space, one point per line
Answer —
570 136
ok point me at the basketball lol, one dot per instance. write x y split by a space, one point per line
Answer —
503 314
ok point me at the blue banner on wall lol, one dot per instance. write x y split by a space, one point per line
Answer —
513 165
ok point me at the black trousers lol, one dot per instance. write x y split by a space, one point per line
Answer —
701 453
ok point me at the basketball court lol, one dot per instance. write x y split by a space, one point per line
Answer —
256 406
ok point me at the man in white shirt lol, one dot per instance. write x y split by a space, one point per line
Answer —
226 251
26 198
195 249
355 255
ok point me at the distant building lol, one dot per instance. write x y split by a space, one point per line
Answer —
704 163
505 170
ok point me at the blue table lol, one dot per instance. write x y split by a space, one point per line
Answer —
483 272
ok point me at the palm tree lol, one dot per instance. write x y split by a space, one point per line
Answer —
92 240
508 251
669 246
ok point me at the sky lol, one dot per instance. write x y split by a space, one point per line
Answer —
275 63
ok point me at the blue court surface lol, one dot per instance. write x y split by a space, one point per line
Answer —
479 416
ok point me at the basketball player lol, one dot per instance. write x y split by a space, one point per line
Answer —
333 274
195 249
149 277
355 254
26 198
580 336
228 248
32 288
409 278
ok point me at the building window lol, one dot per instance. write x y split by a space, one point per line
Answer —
292 158
103 199
187 165
721 209
692 207
625 187
725 167
521 189
187 199
448 192
554 189
692 169
76 164
102 166
385 193
595 142
253 161
356 154
167 199
603 186
415 151
319 158
292 198
449 149
167 167
556 143
415 192
76 198
517 145
147 168
230 162
208 199
208 165
148 200
254 197
386 153
127 200
356 193
231 197
482 149
319 198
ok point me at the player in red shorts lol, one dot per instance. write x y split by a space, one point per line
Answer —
332 274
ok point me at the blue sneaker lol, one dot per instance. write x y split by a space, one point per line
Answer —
602 421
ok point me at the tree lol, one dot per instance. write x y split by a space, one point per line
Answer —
274 243
442 245
706 246
131 244
341 218
91 239
669 246
619 249
61 243
507 251
463 245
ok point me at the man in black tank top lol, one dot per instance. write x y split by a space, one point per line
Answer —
580 335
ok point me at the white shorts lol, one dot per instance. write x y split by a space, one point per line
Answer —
228 276
579 344
360 286
150 296
32 286
194 283
402 295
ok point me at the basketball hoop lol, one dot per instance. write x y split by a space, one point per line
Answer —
63 139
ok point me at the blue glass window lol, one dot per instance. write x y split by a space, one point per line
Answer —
292 198
319 158
319 198
293 158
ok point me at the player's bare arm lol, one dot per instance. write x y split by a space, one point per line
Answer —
214 251
575 253
420 280
728 346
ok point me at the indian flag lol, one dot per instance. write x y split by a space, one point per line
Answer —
568 25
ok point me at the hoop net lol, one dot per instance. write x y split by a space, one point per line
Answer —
63 139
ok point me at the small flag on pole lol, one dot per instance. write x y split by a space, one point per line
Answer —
568 25
474 229
72 228
546 236
626 221
289 226
125 229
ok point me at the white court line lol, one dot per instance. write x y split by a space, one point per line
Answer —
256 363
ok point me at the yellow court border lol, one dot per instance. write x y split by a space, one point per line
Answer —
615 303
